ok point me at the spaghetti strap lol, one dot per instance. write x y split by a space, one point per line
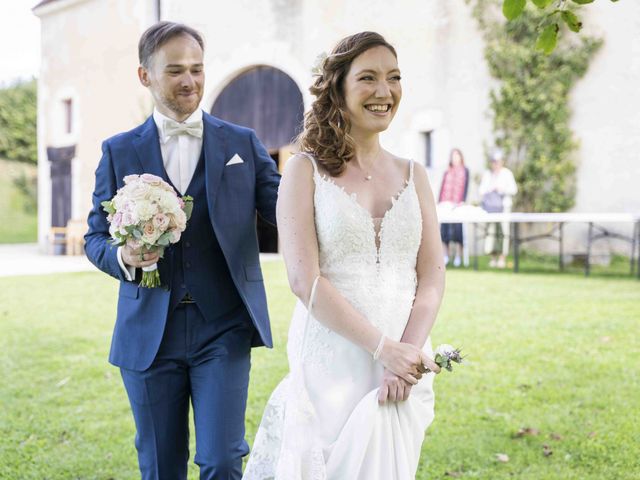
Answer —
411 170
313 161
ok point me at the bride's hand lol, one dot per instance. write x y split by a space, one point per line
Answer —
393 388
406 361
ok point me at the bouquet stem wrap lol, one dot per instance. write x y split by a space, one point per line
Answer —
150 276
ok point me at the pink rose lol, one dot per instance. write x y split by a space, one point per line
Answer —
127 219
151 179
117 219
148 229
175 236
130 178
161 221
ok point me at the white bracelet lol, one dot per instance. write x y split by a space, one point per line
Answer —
376 354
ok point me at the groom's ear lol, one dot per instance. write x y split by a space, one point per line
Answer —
143 76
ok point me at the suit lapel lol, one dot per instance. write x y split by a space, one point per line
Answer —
147 147
215 147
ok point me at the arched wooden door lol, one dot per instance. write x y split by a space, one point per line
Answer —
269 101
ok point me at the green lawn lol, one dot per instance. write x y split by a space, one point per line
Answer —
16 224
554 353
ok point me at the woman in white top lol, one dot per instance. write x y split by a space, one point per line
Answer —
498 180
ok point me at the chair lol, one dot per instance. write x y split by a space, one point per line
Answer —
58 240
75 236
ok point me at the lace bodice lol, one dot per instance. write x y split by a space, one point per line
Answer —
369 266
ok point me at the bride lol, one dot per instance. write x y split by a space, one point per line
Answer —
362 249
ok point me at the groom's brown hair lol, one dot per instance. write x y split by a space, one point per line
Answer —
159 34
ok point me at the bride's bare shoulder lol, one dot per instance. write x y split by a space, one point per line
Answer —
402 164
299 165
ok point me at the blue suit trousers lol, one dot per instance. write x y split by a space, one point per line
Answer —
207 364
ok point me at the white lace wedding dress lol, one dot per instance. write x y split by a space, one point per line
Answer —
323 421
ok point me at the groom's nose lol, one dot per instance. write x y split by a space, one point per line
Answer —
187 80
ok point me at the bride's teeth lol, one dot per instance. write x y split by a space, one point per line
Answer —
377 108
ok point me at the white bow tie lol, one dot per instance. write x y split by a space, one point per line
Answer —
172 128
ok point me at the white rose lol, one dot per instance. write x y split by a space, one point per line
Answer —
138 191
144 210
181 220
168 202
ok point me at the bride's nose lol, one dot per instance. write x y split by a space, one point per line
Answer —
383 90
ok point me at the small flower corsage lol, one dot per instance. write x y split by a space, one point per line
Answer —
446 354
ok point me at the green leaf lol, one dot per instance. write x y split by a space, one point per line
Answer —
164 239
188 206
512 8
571 20
584 2
548 39
108 207
542 3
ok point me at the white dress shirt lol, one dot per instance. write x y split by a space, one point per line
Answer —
180 155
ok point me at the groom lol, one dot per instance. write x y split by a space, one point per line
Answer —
189 340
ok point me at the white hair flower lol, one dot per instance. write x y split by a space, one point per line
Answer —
318 64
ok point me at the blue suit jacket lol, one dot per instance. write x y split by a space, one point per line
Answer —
234 194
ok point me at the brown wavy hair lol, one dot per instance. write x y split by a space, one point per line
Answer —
326 124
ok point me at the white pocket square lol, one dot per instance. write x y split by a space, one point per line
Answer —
234 160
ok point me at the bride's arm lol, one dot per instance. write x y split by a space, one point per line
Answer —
296 228
430 271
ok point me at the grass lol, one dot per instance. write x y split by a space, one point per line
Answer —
16 224
557 354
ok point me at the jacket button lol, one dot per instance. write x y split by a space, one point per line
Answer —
188 264
187 244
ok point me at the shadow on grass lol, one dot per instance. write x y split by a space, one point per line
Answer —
532 263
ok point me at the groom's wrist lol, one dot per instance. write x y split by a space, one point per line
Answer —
128 270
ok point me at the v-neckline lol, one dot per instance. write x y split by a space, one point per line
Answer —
353 197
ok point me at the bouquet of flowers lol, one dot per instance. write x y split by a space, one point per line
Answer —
445 354
147 214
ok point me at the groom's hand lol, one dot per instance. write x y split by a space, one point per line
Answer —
393 388
135 257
